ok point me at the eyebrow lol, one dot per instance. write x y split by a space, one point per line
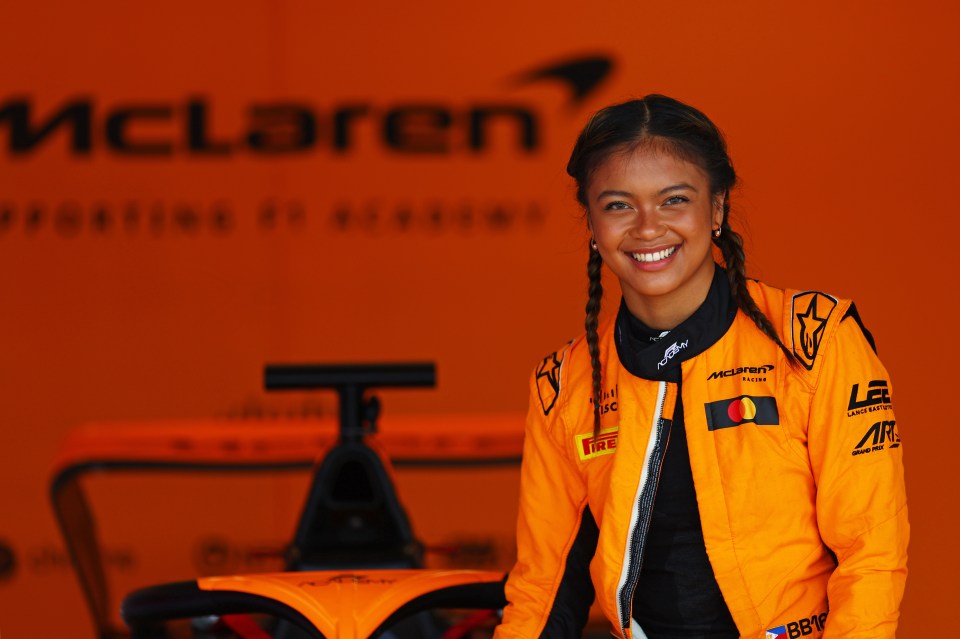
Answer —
668 189
677 187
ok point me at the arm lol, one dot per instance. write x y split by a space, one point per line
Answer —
857 460
549 588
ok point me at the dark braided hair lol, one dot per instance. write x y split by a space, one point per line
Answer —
594 296
731 246
688 134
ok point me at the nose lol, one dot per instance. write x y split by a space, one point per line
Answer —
647 224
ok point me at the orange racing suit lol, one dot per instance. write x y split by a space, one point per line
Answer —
797 470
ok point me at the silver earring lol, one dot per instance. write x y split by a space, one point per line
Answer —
716 232
593 245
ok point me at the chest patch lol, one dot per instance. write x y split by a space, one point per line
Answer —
752 409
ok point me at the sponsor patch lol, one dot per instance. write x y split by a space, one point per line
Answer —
589 446
810 313
748 373
672 352
870 397
881 436
728 413
548 381
608 400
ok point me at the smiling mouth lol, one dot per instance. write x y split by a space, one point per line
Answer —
655 257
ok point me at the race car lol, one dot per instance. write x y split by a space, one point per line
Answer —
354 567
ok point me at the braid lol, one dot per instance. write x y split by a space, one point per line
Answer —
595 295
731 245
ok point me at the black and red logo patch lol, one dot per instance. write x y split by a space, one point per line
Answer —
745 409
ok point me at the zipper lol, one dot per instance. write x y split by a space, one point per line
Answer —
642 511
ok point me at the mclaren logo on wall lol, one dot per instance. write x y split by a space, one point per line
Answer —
197 128
165 128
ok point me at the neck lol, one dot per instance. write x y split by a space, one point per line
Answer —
661 316
666 312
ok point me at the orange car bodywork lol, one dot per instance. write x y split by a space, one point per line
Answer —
349 605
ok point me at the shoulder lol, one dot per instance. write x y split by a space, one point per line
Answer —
556 374
808 320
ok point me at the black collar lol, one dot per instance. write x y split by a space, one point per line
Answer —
660 360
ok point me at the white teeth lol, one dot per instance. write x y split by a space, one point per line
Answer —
654 257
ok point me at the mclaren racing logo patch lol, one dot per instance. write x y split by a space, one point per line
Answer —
746 373
728 413
589 446
810 313
548 381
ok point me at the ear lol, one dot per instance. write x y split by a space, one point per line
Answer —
718 210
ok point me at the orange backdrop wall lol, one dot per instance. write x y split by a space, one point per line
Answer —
190 190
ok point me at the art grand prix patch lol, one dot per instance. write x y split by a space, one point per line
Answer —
810 312
548 381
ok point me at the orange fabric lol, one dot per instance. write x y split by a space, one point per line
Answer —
775 499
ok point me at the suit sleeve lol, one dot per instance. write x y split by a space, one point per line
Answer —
857 459
549 589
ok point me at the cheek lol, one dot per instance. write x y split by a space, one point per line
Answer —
609 225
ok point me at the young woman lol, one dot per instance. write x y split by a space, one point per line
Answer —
721 458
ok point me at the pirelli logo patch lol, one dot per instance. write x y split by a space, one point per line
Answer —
728 413
589 446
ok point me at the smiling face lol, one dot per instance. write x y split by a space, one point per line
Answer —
652 215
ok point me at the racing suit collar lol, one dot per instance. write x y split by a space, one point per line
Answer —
660 360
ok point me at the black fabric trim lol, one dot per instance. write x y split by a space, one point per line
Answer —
571 605
852 312
660 361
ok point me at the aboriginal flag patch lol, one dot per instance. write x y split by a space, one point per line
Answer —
728 413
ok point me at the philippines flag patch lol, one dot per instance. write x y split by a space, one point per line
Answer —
780 632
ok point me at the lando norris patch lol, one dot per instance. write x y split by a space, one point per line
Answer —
745 409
